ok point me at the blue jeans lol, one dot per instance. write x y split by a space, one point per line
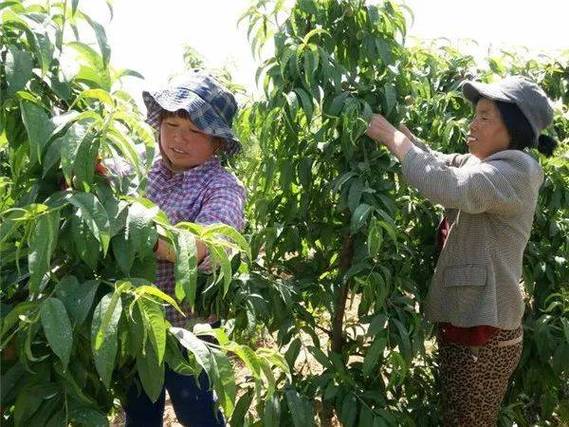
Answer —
194 406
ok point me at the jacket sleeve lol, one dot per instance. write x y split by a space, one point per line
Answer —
502 184
455 159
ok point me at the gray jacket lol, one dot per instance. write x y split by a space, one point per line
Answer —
491 205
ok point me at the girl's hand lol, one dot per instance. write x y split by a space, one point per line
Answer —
383 132
164 251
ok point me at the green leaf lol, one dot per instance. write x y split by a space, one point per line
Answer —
125 147
41 45
42 246
85 243
220 256
390 228
359 216
272 412
355 194
77 297
18 67
195 346
151 373
101 38
384 50
137 333
374 239
320 356
30 399
225 230
88 416
306 102
92 70
153 316
85 160
69 144
154 291
57 328
349 410
107 312
292 102
224 385
39 128
94 215
124 253
52 156
177 362
390 96
373 354
140 227
241 408
301 409
249 357
9 380
186 268
338 104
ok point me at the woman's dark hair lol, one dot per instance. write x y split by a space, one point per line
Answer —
520 131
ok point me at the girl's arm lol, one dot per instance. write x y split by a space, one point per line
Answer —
165 252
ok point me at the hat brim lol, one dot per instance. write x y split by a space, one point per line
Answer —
473 91
202 115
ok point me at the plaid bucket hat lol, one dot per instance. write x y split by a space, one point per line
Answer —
211 107
519 90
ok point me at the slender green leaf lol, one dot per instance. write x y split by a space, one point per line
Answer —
42 246
18 67
153 316
373 354
57 328
186 269
39 128
94 215
151 373
107 312
77 297
154 291
225 387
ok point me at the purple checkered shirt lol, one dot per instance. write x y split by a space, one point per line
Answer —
205 194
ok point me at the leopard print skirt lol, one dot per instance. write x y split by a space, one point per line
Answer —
474 379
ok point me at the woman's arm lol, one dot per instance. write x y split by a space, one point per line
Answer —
501 184
381 130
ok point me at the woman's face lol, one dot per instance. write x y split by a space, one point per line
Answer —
488 134
184 144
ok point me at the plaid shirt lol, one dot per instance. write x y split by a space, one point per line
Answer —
205 194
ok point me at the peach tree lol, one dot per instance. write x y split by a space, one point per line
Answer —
332 218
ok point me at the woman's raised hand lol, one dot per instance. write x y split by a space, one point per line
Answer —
397 141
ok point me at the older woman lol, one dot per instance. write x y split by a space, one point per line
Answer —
490 196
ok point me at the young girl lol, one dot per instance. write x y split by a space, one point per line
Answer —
490 196
193 120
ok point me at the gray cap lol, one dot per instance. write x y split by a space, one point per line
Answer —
519 90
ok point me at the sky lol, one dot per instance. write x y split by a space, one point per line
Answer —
149 36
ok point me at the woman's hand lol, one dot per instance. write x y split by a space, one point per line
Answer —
383 132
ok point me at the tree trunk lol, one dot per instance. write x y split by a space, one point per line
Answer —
337 340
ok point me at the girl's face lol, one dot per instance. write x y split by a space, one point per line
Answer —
488 134
184 144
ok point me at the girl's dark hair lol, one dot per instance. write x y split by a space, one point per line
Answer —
179 113
520 131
